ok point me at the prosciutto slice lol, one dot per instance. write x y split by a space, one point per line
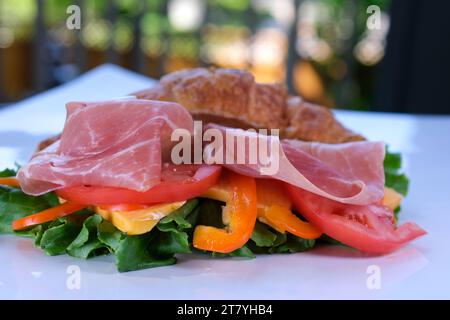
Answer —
350 173
122 143
119 143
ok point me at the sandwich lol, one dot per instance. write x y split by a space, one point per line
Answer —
206 161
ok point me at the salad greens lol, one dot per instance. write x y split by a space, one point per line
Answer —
15 204
394 178
86 234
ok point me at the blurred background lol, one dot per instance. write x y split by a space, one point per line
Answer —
379 55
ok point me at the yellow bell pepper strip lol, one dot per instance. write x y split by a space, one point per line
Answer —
274 209
239 216
47 215
9 181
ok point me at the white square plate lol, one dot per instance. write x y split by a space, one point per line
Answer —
420 270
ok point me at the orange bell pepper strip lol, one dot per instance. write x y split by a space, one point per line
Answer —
282 219
271 192
274 209
47 215
239 216
10 181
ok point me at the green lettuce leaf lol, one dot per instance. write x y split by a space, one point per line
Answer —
59 235
180 216
169 242
262 236
8 173
394 178
133 254
267 240
87 242
109 235
243 252
293 244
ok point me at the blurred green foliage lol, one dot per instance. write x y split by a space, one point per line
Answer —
346 81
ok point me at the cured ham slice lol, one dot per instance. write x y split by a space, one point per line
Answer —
352 171
119 143
349 173
122 143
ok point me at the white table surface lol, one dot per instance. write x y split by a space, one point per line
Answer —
420 270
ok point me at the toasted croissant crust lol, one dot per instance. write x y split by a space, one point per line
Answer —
312 122
233 98
227 95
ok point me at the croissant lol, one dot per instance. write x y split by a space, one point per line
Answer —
233 98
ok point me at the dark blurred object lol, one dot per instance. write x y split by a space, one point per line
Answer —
415 72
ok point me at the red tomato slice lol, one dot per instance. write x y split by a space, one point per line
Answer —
367 228
179 183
